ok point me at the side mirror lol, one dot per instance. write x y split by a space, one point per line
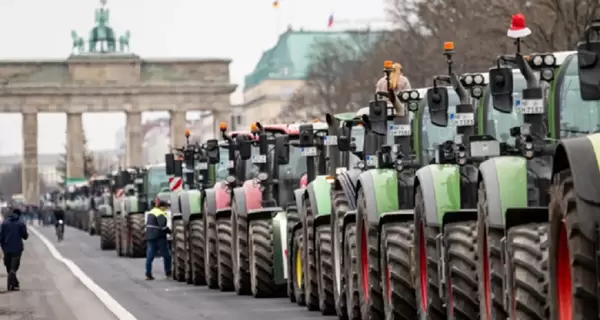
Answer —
177 170
437 101
244 147
343 143
588 56
307 136
501 88
282 150
378 116
212 148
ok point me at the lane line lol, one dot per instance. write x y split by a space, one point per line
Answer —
110 303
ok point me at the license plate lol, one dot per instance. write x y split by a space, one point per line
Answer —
203 166
463 119
532 106
138 181
371 161
259 158
308 151
330 141
186 170
400 130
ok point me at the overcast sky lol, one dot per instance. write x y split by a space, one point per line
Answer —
237 29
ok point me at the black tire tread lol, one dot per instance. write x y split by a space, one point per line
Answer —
179 251
197 252
351 269
211 267
225 255
325 269
138 231
107 233
261 268
340 208
311 278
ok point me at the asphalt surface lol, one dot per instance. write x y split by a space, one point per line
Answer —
49 291
164 299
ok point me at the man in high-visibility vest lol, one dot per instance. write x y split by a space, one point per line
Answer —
156 237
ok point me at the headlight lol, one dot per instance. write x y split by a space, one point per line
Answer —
413 106
468 80
360 165
538 61
547 74
405 96
399 165
230 179
477 92
478 79
262 176
549 60
414 95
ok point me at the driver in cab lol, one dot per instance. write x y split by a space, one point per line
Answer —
398 83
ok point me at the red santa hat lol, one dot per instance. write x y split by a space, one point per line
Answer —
518 28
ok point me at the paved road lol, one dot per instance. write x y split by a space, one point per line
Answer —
49 291
165 299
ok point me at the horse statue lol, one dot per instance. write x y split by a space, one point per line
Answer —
124 41
78 43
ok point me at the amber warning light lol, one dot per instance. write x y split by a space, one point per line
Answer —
223 126
387 64
187 132
253 127
448 46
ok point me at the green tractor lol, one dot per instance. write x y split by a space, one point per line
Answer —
131 225
99 198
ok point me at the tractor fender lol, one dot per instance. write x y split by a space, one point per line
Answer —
319 193
131 204
582 156
505 180
240 201
280 235
348 182
380 187
175 207
440 188
184 204
299 197
222 197
190 204
210 202
252 195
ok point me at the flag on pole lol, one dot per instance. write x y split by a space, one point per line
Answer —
330 21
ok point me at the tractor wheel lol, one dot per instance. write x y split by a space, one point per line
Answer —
490 269
426 264
292 219
325 270
309 266
369 288
224 256
573 278
118 244
138 235
297 271
340 207
107 233
241 270
261 259
211 261
351 272
460 243
179 250
397 276
197 252
527 255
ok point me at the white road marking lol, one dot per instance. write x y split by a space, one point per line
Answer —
110 303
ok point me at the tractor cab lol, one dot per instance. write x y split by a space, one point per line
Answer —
238 150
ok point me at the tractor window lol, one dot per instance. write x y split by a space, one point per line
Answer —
499 123
251 169
156 179
577 117
432 135
357 136
221 169
297 165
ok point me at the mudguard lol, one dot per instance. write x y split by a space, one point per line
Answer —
222 197
319 193
299 197
348 181
381 192
190 204
130 204
440 187
505 180
210 201
175 204
252 195
280 269
240 200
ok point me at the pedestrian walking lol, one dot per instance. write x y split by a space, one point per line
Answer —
12 233
156 238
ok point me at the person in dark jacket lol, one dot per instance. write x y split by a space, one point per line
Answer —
156 237
12 233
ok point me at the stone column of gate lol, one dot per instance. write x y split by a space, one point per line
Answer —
75 146
177 126
218 118
134 139
29 171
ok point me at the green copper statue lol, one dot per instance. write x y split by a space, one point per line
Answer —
102 37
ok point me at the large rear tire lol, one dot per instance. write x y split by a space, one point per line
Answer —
426 264
351 266
309 266
197 252
340 208
292 220
118 235
573 288
138 235
397 276
261 259
179 252
460 243
297 266
325 270
527 254
490 269
241 269
107 233
224 257
211 259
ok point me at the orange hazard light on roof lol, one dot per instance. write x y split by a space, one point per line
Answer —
222 126
187 132
387 64
448 46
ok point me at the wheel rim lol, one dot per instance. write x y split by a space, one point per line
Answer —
364 261
563 262
423 266
486 278
388 283
299 267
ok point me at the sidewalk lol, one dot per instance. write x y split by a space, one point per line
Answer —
49 291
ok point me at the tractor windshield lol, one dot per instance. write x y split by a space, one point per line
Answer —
432 135
222 171
156 179
357 136
577 117
297 165
499 123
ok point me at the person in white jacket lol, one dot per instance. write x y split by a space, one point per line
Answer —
398 83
